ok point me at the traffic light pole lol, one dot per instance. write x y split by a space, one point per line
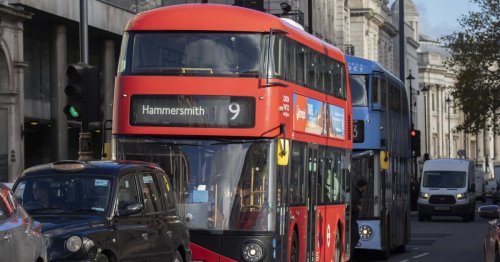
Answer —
85 138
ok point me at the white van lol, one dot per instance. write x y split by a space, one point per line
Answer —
447 188
480 184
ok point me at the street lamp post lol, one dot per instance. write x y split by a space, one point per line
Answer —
425 88
410 78
448 102
414 158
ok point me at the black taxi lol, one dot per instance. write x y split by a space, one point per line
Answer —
105 211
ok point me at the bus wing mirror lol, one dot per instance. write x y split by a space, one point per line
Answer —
384 160
283 151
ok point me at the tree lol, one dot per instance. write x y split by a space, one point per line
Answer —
475 56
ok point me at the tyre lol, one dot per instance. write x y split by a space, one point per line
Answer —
421 217
385 253
338 247
294 252
101 258
497 255
178 257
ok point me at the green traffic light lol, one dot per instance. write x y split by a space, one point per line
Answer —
73 112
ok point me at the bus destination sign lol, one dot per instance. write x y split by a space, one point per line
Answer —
192 111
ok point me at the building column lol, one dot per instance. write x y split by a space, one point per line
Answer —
108 70
59 130
496 145
12 68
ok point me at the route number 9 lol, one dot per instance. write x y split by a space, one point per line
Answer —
234 108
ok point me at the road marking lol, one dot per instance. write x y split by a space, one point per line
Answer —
421 255
406 260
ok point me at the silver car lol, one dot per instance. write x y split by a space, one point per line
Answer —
492 238
20 236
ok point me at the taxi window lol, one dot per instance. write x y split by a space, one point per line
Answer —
127 192
152 200
168 196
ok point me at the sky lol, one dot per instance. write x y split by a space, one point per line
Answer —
439 17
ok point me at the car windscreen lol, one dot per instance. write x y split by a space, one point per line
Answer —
64 194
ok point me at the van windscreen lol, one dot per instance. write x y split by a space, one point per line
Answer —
444 179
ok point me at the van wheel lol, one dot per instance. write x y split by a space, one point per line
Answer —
178 257
421 217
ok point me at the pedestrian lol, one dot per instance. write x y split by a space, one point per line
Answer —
356 196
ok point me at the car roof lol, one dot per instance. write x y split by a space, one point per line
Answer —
108 167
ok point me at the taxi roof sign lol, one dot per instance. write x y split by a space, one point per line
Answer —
68 166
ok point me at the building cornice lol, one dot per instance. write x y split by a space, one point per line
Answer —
14 12
389 28
101 15
412 42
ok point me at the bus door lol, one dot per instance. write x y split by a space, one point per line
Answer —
314 215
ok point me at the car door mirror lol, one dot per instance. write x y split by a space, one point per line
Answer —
130 209
490 211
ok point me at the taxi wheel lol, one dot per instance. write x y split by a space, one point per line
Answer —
178 257
101 258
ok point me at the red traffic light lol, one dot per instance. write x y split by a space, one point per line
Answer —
413 133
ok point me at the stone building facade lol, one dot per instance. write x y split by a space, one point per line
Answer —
39 38
439 117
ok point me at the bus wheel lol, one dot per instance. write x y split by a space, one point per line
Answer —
294 252
178 257
338 247
384 254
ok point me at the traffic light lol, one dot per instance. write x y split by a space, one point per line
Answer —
415 142
82 92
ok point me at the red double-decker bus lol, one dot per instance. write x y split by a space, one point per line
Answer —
251 118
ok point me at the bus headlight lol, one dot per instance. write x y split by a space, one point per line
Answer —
424 195
74 243
252 252
461 196
365 232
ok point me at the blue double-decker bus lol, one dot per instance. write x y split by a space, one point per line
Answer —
381 155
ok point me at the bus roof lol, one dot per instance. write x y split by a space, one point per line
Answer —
359 65
218 17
